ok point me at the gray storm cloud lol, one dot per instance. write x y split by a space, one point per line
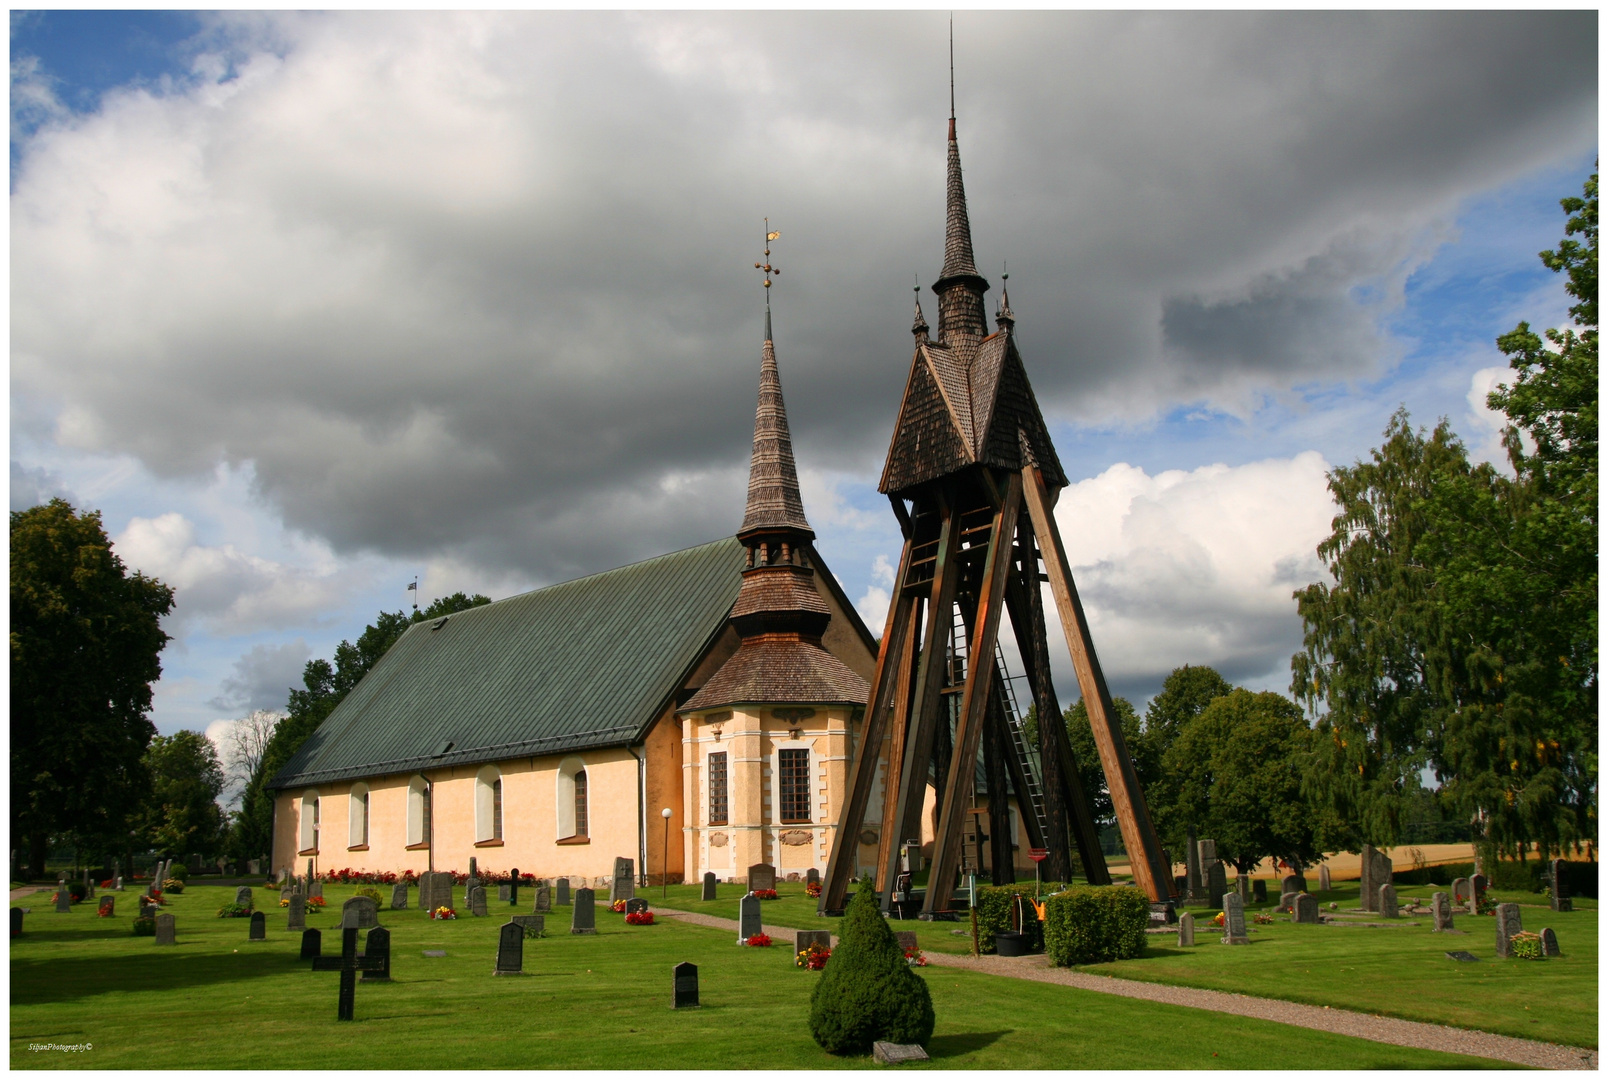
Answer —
480 284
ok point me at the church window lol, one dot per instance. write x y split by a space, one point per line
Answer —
717 788
357 819
795 782
580 804
570 800
418 812
488 805
309 821
496 808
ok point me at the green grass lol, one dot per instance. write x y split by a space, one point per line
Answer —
1397 970
215 1000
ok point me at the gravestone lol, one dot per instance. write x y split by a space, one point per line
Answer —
812 876
513 886
887 1053
510 950
805 938
148 911
1549 942
1291 883
1383 871
583 919
1186 929
1463 956
748 920
1388 908
563 886
311 944
1259 891
477 901
64 899
286 890
309 872
1306 909
708 887
536 922
377 946
108 906
1369 896
907 940
315 887
1440 909
1192 882
544 901
761 876
348 964
360 912
399 896
1508 923
1242 885
1234 921
1287 901
16 922
435 890
1216 877
472 880
243 896
1460 892
1560 886
296 913
259 927
1205 852
119 883
635 905
164 929
622 886
684 986
503 893
1323 878
1476 887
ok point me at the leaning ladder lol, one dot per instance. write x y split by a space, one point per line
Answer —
1015 720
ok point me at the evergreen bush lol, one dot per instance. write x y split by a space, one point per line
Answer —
867 993
179 872
77 890
1091 924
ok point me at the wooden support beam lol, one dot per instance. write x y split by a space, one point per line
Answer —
904 691
928 702
997 750
1145 857
973 703
841 864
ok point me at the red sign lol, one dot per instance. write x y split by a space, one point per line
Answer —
1038 854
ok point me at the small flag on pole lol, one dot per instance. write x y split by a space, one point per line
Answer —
413 586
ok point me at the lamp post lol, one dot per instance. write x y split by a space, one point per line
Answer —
664 884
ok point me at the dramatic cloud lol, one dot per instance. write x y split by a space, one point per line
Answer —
263 677
30 487
474 288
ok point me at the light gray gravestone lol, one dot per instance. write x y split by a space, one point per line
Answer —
1560 886
684 986
1259 891
1234 921
64 899
887 1053
510 950
1388 908
164 929
1290 883
532 922
361 912
1549 942
761 876
1508 923
1216 877
399 896
296 913
243 896
1242 885
622 885
563 887
748 920
108 906
805 938
1287 901
635 905
377 946
477 901
1460 892
1383 872
435 890
1477 886
1306 909
286 890
315 887
1186 929
906 939
312 944
119 883
259 927
708 887
583 919
1370 891
502 893
1192 882
543 901
1323 878
1440 909
1205 852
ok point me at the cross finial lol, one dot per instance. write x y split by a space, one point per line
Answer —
769 271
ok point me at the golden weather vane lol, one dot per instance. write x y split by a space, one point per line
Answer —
769 270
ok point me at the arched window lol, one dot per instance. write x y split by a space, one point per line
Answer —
570 799
418 812
309 821
488 804
357 816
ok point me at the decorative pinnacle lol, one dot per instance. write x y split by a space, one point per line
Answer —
769 271
1004 313
919 327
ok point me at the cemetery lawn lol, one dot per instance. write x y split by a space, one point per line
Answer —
592 1002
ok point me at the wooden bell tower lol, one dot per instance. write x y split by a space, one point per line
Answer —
973 479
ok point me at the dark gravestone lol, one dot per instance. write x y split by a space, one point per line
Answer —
148 911
296 912
16 922
1508 923
812 876
1383 872
312 945
1549 942
537 923
259 927
1242 885
685 982
761 876
622 886
361 912
1440 909
399 896
477 901
906 940
563 886
1186 929
165 930
513 886
1234 921
510 950
1369 895
635 905
748 920
1388 908
708 887
1560 886
1306 909
806 938
108 906
243 896
1463 957
1259 891
315 888
377 946
64 899
544 901
583 919
503 893
474 867
1476 887
348 963
1216 878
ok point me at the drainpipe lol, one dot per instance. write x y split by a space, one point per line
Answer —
642 812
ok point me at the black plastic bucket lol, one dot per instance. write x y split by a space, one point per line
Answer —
1011 943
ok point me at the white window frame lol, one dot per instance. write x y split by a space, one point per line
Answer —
418 793
487 827
309 820
564 796
357 816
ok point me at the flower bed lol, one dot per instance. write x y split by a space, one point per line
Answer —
813 958
234 911
617 907
639 918
759 941
443 913
914 957
812 888
1526 945
765 894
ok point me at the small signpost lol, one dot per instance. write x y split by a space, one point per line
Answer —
349 964
1038 855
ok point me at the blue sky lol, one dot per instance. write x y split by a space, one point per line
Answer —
466 296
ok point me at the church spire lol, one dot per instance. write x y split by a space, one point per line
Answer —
960 288
774 502
919 326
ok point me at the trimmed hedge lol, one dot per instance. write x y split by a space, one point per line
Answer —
1508 875
994 912
1091 924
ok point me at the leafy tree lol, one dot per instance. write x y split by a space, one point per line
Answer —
324 686
1081 735
1236 772
1187 691
183 814
85 641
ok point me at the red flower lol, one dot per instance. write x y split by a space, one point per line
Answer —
639 918
759 940
765 894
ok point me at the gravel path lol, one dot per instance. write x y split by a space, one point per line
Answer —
1382 1029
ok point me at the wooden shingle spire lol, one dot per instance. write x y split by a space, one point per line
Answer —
773 498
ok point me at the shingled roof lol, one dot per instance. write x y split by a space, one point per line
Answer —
773 498
585 664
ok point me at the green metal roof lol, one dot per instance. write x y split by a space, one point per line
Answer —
589 663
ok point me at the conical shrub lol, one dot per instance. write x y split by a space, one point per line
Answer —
867 991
